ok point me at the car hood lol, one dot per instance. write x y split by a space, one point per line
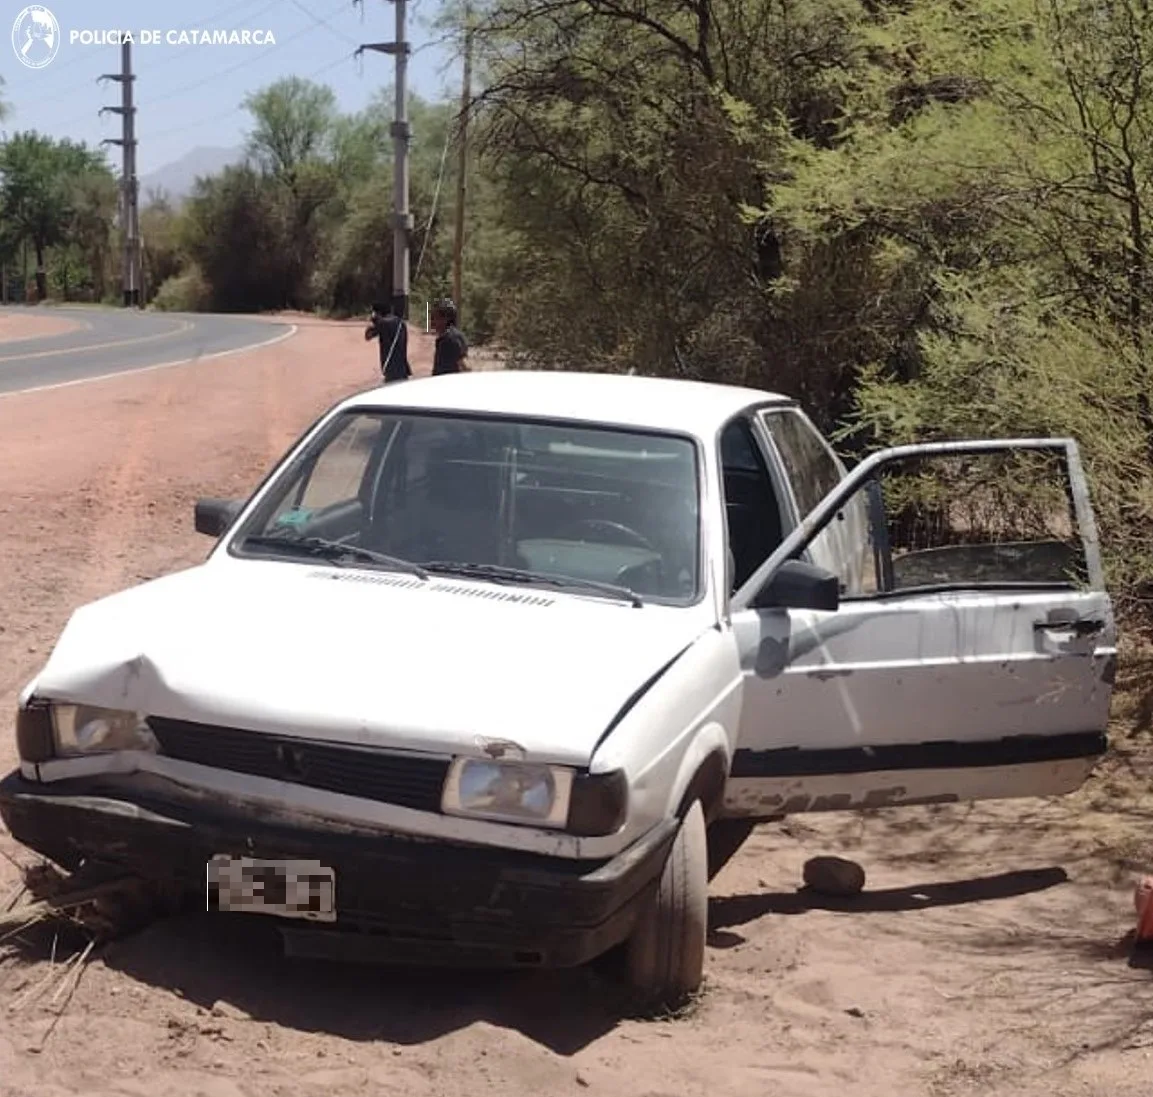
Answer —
368 657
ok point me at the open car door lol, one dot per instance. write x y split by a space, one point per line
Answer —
976 661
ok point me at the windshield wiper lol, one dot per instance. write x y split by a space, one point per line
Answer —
500 574
334 551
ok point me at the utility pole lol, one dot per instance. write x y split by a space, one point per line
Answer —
462 163
129 188
401 217
4 265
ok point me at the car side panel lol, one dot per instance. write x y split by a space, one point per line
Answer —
693 710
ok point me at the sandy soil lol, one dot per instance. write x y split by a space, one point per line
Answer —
987 956
17 326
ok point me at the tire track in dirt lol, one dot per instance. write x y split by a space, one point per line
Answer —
280 426
124 519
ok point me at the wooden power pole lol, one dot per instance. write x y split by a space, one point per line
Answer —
462 164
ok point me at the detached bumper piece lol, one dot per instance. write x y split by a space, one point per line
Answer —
399 899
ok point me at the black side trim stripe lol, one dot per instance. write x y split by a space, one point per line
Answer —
1015 750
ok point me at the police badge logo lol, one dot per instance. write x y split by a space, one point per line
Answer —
35 37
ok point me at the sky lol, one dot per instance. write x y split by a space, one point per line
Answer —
189 95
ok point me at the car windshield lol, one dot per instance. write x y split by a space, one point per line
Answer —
498 500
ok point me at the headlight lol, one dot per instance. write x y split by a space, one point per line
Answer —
513 792
85 729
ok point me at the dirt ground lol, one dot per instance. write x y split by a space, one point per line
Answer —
988 955
18 326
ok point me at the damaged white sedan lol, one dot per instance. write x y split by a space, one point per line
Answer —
494 667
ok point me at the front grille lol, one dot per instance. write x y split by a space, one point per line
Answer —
389 777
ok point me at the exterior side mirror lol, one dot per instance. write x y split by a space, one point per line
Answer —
798 585
213 516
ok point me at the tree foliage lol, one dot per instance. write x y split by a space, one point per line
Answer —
54 193
923 220
311 210
294 122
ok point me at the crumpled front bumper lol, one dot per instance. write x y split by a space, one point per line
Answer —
405 899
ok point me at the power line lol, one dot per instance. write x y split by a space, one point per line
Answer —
322 22
230 9
212 77
235 26
241 107
225 114
237 67
448 134
182 50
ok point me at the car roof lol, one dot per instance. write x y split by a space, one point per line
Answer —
698 408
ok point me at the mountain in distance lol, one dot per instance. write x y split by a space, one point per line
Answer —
177 179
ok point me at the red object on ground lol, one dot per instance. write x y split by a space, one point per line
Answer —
1143 899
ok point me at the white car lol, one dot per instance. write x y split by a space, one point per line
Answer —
483 666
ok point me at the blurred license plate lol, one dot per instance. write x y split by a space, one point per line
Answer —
287 889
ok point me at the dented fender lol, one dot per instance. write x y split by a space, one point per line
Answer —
691 711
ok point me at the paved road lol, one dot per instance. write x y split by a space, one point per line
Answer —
120 340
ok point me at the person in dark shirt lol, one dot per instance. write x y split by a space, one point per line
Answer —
451 354
391 330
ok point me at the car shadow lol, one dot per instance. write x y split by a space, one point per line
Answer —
236 962
736 910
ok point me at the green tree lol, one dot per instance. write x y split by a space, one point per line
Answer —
294 124
41 192
1037 322
94 202
355 255
160 242
236 230
295 127
627 143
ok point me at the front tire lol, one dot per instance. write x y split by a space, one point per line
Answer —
666 952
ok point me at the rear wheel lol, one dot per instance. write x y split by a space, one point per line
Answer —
666 952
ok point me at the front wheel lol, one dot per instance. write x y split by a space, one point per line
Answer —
666 952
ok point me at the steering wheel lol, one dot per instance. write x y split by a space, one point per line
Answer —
630 535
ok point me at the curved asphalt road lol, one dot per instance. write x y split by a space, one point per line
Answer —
112 341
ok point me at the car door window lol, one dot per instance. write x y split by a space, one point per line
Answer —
814 470
752 508
983 520
325 496
993 520
338 473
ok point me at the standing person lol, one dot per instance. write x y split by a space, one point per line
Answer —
384 324
451 355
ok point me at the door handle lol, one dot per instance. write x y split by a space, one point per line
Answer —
1079 626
